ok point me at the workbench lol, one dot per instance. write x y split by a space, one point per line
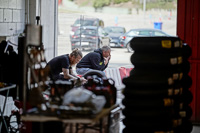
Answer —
95 122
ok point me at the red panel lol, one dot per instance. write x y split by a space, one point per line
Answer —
188 39
181 18
188 29
196 55
197 100
188 22
193 75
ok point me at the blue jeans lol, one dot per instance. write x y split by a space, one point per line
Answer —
82 71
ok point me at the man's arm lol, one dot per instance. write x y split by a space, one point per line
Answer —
106 61
72 73
82 79
67 74
97 63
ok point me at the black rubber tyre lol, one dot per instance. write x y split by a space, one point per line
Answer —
135 129
147 81
148 92
129 49
185 66
148 113
185 127
156 44
176 73
150 103
186 81
146 60
98 73
143 125
187 51
186 97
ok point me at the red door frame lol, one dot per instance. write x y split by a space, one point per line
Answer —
188 29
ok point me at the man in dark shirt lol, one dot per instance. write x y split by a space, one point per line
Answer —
61 66
97 60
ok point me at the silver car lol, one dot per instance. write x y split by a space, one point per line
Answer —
128 36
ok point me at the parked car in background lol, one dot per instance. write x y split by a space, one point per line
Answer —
89 37
85 22
114 33
127 37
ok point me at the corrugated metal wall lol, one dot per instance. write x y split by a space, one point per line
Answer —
188 29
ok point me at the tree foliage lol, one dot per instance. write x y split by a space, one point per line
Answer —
101 3
164 4
120 1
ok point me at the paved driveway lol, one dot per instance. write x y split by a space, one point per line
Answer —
120 57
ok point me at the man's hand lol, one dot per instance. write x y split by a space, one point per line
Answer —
83 80
79 81
106 60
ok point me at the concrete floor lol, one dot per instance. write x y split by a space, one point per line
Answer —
196 129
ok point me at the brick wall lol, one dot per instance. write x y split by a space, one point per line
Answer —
12 21
12 18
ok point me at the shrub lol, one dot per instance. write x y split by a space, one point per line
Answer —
120 1
101 3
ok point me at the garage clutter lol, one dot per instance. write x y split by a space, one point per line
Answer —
40 96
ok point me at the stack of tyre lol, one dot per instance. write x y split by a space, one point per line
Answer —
157 94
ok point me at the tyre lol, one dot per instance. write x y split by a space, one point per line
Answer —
98 73
143 125
185 127
129 48
147 115
156 44
147 103
155 60
148 92
187 51
148 81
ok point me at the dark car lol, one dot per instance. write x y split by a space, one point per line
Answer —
126 38
89 37
114 33
85 22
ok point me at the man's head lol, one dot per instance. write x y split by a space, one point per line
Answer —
106 51
75 56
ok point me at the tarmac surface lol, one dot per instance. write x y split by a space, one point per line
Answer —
69 12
